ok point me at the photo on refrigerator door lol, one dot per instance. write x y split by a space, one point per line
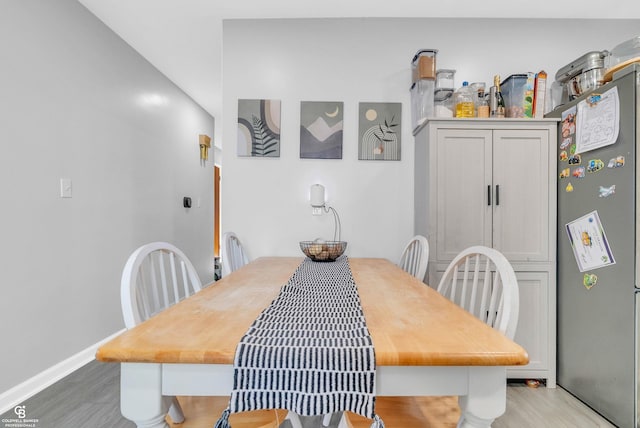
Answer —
598 121
589 242
568 134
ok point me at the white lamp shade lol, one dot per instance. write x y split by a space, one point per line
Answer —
317 195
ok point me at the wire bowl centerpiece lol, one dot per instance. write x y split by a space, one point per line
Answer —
323 251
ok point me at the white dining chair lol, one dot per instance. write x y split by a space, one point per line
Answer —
234 256
482 281
330 420
156 276
415 257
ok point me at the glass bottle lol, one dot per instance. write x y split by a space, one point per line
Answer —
483 104
477 89
497 101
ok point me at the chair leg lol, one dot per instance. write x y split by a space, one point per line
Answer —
344 421
175 411
296 422
326 420
294 419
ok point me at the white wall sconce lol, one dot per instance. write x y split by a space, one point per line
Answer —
318 205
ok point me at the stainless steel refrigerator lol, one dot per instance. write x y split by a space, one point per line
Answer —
599 250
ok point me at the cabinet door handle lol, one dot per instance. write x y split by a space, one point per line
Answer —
489 195
497 194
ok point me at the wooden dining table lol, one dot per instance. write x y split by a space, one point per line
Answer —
424 344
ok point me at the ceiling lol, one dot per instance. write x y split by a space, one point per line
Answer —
183 38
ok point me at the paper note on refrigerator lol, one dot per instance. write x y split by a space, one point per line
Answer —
589 242
598 121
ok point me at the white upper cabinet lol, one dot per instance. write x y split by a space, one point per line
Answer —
492 187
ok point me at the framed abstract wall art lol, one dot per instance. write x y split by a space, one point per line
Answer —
258 128
379 131
321 129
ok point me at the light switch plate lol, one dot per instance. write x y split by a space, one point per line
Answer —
65 188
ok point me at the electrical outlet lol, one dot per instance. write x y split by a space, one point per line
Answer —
316 211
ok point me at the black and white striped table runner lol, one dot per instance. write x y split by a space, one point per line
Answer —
309 351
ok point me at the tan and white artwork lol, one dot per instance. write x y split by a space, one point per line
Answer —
258 128
379 131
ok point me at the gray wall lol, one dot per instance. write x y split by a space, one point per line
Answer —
77 102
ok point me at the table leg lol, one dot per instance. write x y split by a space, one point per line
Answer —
486 399
141 399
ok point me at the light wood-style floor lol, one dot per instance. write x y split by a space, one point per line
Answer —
90 398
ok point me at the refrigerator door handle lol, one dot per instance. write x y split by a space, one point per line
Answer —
497 194
489 195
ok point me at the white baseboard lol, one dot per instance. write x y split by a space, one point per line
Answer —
16 395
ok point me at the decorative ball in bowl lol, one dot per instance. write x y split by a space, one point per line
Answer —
323 251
